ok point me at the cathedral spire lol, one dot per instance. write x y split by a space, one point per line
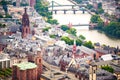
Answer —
25 24
74 48
25 10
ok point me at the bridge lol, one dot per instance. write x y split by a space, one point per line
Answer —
55 4
65 10
91 25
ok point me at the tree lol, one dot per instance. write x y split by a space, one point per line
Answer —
100 25
23 4
78 42
72 31
113 29
89 6
108 68
42 9
99 5
8 16
52 21
78 1
4 5
64 27
14 3
95 18
46 29
81 37
100 11
88 44
67 40
52 36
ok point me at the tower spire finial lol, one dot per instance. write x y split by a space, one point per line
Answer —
74 42
25 10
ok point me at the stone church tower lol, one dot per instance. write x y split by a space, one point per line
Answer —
92 72
37 59
25 24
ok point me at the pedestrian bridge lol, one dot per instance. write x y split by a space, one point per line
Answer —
54 4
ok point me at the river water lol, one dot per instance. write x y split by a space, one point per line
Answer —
80 18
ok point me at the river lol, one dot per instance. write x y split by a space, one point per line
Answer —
80 18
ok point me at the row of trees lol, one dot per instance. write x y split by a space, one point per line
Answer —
108 68
42 9
80 40
112 29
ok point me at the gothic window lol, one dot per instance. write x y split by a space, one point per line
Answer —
39 60
26 30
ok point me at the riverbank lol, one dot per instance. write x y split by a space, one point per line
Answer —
91 35
72 1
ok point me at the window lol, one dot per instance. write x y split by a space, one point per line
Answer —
39 60
94 71
0 65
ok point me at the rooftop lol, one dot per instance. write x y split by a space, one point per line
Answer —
26 65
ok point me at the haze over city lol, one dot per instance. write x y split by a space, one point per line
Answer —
59 40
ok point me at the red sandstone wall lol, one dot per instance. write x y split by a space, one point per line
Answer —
14 72
23 75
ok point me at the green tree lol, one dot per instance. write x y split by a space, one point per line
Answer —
46 29
100 25
23 4
52 21
8 16
42 9
99 5
81 37
78 1
78 42
113 29
52 36
72 31
95 18
88 44
89 6
100 11
14 3
67 40
4 5
108 68
64 27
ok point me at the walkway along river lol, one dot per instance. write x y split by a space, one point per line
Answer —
80 18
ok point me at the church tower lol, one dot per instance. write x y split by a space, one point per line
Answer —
74 48
25 24
92 72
